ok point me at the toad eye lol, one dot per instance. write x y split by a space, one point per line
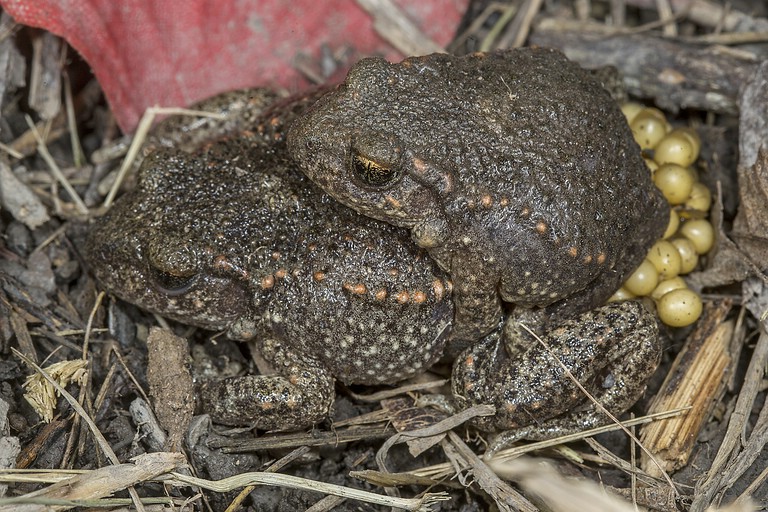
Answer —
374 174
171 284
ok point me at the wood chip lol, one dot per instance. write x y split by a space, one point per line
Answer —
101 482
20 201
698 378
170 384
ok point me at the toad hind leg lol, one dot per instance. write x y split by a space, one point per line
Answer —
302 393
611 351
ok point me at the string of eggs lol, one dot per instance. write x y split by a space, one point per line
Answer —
689 233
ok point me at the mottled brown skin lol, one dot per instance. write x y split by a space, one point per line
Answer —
611 350
233 237
514 169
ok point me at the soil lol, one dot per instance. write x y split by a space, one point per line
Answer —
51 312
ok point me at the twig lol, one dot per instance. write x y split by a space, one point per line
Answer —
294 482
724 470
399 31
8 149
438 428
713 76
505 496
273 468
388 393
521 26
55 170
507 14
100 440
443 469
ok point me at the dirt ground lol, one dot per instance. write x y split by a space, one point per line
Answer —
128 430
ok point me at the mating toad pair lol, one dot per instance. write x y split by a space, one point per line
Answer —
459 185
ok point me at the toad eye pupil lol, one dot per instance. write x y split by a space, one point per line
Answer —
372 173
171 284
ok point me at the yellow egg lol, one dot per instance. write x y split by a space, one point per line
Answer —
654 112
674 223
620 295
665 258
666 286
648 127
700 198
700 232
688 255
693 136
675 148
680 307
643 280
630 110
675 182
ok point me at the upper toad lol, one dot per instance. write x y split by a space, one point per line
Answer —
515 170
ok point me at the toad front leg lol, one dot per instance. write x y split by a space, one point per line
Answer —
611 351
300 395
477 306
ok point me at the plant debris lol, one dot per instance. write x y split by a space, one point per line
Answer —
113 424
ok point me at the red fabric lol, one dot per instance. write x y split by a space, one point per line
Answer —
174 52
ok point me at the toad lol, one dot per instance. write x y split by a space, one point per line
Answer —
515 170
231 236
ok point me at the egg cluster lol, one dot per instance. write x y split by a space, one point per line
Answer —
689 233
